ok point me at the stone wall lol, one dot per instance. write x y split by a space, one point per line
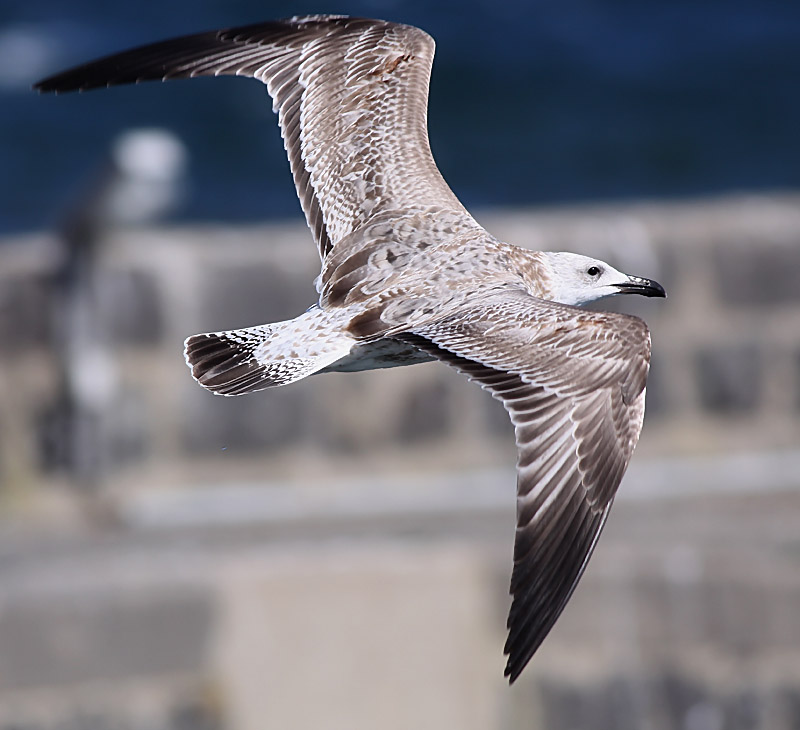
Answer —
725 373
343 611
336 553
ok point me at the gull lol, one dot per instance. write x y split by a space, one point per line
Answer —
408 275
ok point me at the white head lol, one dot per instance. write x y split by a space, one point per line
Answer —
576 279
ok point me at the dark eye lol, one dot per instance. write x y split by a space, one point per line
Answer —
593 271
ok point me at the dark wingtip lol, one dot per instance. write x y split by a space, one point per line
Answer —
511 674
517 661
155 61
67 81
44 87
175 57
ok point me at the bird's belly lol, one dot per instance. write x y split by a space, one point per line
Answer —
384 353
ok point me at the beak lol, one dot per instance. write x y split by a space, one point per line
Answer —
645 287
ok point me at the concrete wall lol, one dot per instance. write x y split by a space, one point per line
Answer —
725 373
393 616
295 558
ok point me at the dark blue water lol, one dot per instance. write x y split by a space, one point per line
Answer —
531 102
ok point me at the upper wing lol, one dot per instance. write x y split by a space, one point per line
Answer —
351 96
573 382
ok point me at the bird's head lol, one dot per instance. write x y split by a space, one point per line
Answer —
577 280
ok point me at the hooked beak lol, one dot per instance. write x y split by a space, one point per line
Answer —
645 287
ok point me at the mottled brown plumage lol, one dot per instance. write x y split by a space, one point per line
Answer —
408 275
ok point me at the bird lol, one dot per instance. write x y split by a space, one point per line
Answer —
407 275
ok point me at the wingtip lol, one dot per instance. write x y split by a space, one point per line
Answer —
61 84
57 83
41 87
54 85
515 666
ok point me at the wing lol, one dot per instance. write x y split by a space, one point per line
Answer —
573 382
351 96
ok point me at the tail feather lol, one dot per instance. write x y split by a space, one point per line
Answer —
246 360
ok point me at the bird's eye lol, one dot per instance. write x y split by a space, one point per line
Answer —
593 271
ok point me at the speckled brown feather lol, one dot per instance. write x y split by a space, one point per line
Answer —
351 96
573 383
407 274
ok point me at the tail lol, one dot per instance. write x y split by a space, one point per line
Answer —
255 358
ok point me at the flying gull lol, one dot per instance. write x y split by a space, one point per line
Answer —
407 275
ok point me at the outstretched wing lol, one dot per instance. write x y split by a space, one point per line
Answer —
351 96
573 382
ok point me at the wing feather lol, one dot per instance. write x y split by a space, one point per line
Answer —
351 96
573 384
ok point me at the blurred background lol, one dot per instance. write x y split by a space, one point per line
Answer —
336 554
